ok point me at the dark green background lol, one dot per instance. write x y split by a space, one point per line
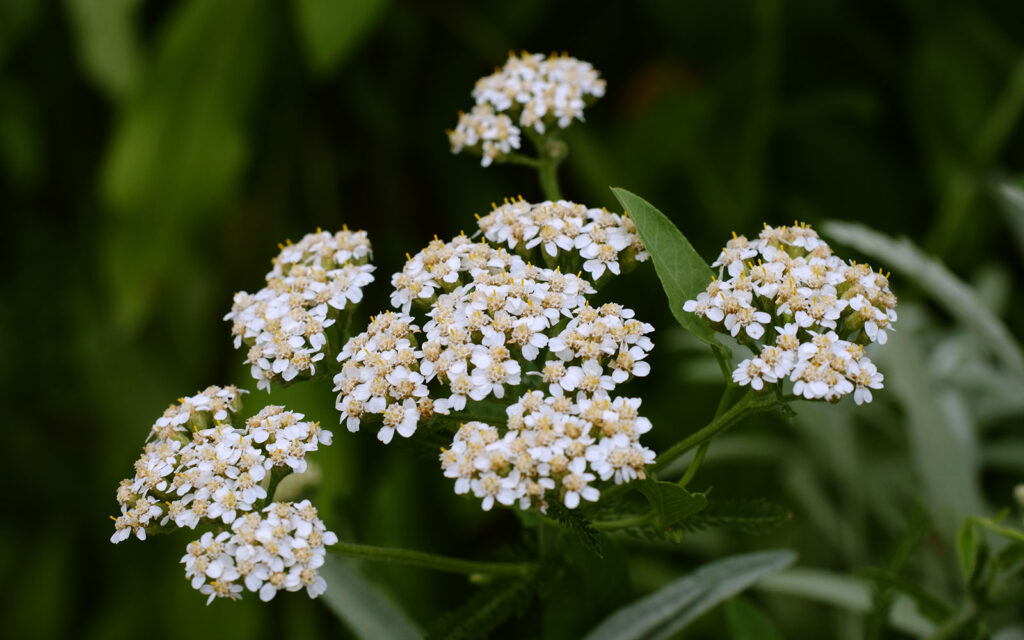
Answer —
152 155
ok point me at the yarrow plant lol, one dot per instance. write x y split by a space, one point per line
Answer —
804 312
492 324
531 92
497 347
312 285
199 469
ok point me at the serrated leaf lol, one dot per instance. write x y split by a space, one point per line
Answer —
680 602
360 605
331 30
748 622
578 524
682 271
948 291
743 516
485 610
671 502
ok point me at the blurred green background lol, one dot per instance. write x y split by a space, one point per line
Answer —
152 155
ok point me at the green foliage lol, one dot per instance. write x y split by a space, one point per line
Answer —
331 30
486 610
108 44
579 524
669 610
948 291
747 621
753 516
670 502
366 612
683 273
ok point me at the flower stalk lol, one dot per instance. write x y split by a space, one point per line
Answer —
434 561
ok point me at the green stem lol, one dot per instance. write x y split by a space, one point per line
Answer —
433 561
748 404
625 523
695 464
277 474
547 171
518 158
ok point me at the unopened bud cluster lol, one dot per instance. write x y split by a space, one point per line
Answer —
199 468
285 325
530 91
805 312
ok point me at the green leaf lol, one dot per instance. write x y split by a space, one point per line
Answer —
967 548
1011 199
928 604
364 610
485 610
750 516
178 150
331 30
578 524
948 291
683 273
846 592
108 47
672 503
677 604
748 622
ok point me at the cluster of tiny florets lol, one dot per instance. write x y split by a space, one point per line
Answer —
541 90
285 325
531 91
567 235
197 468
492 135
278 548
494 326
806 312
380 375
550 444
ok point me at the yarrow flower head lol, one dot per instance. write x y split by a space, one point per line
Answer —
479 321
566 235
805 312
198 467
550 446
286 325
492 135
531 91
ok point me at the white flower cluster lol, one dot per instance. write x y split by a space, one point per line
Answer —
564 233
542 90
380 375
530 91
821 311
284 325
198 468
492 135
279 550
551 444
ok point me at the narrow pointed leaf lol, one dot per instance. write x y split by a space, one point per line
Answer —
677 604
682 271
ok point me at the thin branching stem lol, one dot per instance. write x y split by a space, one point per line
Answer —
433 561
